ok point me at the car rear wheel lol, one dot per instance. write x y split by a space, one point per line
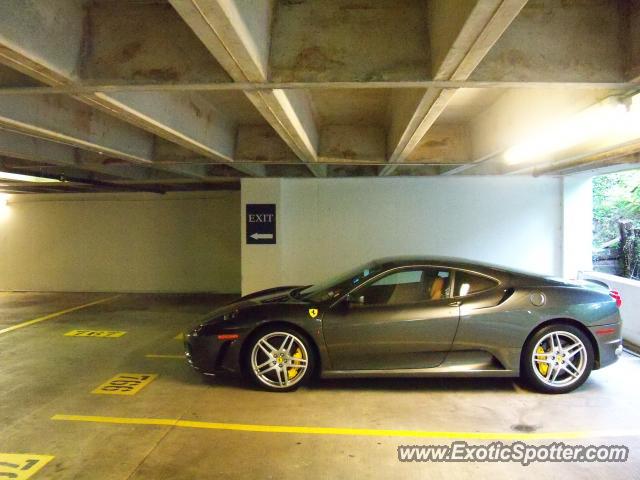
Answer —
557 359
280 360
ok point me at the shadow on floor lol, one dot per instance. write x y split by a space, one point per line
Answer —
380 384
411 384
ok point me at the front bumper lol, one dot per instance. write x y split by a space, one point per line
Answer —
609 340
211 356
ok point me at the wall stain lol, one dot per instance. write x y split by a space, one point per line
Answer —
315 58
161 74
436 143
130 50
196 109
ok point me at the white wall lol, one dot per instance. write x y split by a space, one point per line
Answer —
328 225
126 242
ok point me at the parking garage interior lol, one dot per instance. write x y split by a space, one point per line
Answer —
139 140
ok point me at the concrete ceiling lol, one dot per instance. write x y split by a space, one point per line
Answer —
194 94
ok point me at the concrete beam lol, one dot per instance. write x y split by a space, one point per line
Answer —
476 29
54 52
34 149
367 87
65 121
171 116
238 35
417 170
46 154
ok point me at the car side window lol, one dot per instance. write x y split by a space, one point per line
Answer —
469 283
406 286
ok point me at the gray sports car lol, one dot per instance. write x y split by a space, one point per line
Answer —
408 317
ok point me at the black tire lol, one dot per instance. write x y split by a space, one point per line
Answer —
533 375
283 372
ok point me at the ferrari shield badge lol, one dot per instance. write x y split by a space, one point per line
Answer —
313 312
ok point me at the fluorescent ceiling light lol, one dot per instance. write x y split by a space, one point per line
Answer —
610 122
25 178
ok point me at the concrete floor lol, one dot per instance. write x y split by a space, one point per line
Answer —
44 373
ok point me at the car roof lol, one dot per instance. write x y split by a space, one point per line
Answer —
452 262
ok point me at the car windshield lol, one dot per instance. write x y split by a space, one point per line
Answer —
339 285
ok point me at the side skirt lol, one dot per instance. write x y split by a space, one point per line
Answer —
458 364
417 372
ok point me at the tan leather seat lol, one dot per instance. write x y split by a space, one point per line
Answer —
437 289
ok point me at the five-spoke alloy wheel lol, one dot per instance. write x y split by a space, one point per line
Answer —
557 359
280 360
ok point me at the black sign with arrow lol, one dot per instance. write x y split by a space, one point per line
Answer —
261 223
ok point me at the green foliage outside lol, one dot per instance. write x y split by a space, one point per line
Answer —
616 197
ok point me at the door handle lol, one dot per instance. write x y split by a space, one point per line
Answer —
455 304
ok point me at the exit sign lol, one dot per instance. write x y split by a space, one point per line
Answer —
261 223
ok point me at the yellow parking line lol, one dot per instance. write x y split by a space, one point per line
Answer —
345 431
154 355
56 314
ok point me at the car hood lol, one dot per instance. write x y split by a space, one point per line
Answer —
279 295
271 295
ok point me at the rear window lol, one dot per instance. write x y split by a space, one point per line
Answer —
469 283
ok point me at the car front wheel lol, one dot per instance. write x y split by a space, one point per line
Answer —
557 359
280 359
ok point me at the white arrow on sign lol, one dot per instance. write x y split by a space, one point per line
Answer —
262 236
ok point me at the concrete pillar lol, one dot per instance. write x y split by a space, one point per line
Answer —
261 264
577 224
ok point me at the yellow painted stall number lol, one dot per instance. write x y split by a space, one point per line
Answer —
126 383
21 466
95 333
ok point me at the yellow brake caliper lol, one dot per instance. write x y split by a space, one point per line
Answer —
292 372
542 367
